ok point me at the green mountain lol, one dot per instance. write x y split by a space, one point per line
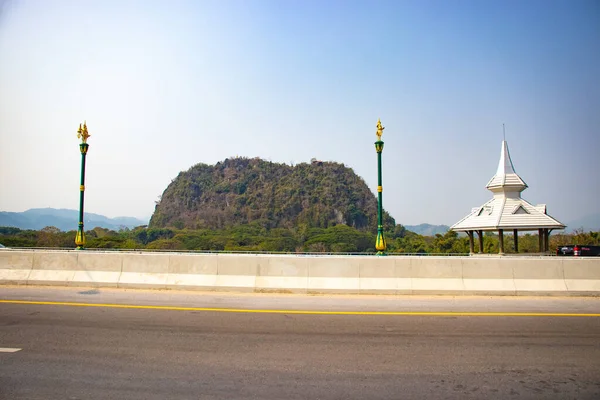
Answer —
240 191
63 219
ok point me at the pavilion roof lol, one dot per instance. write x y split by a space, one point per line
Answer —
507 210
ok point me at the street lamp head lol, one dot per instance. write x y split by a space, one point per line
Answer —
82 133
380 129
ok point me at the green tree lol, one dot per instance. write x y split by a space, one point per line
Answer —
49 237
166 244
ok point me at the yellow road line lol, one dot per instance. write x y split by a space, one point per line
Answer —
241 310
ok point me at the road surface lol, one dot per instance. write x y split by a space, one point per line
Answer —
59 344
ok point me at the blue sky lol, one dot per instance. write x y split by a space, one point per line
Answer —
164 85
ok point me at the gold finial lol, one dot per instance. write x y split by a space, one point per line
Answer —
380 129
83 133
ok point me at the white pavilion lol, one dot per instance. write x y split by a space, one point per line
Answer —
507 211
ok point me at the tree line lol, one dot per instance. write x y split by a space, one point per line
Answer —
254 237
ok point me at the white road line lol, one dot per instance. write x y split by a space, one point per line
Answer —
8 350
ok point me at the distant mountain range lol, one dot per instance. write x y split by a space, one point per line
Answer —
64 219
587 224
428 229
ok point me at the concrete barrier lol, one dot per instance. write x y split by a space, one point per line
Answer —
403 266
396 275
539 276
15 267
582 276
238 272
379 276
96 271
192 271
53 268
144 270
488 275
333 274
437 275
287 274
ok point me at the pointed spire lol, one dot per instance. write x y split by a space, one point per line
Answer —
505 166
506 177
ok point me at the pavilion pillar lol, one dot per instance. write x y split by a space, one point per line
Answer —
516 234
546 239
541 240
501 241
471 244
480 234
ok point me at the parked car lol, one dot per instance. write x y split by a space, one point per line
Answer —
578 250
566 250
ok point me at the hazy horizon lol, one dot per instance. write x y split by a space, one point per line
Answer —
166 85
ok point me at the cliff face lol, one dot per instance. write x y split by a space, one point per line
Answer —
240 191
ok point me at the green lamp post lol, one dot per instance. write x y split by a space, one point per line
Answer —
380 245
82 133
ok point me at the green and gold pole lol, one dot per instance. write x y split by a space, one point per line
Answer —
82 133
380 244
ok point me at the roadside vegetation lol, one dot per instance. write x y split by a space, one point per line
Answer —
257 238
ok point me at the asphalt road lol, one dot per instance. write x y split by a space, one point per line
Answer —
84 352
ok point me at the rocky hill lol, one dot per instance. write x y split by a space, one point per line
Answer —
242 191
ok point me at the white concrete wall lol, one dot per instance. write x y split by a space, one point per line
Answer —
487 275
